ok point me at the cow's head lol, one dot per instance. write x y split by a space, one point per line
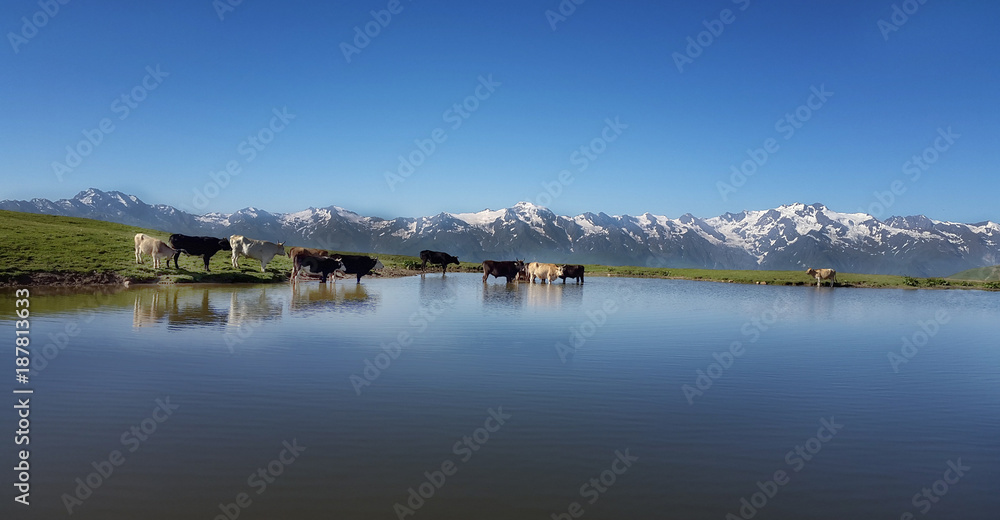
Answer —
378 264
811 272
225 245
452 260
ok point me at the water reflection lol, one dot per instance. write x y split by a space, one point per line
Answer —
314 298
253 306
506 296
544 295
181 307
149 309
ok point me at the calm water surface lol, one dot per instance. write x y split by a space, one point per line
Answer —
506 401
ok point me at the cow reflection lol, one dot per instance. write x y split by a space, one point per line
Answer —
181 307
308 298
547 295
150 307
253 306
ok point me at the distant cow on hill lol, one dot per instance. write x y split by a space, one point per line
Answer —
204 247
572 271
154 247
507 269
360 265
258 249
545 272
437 258
823 274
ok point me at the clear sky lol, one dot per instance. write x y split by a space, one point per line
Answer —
488 102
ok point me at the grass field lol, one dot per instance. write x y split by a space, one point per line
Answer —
41 249
979 274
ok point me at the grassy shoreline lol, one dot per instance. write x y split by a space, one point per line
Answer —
51 250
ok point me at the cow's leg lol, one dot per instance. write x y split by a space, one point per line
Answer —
204 257
233 261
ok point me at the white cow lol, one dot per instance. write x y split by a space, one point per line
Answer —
154 247
257 249
545 272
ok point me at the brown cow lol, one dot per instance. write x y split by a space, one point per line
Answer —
823 274
308 251
506 269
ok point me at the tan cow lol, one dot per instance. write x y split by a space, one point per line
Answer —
154 247
823 274
545 272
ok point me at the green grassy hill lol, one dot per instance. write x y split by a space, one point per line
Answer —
979 274
47 249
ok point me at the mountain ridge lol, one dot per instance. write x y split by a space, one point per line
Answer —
791 236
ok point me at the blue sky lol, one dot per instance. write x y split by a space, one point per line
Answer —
614 109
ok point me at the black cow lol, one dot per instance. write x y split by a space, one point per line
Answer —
321 265
204 247
437 257
572 271
506 269
360 264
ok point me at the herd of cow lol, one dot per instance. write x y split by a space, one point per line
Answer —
323 263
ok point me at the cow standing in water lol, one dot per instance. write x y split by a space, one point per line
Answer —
437 257
507 269
823 274
572 271
360 265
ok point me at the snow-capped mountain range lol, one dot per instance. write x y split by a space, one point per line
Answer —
793 236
